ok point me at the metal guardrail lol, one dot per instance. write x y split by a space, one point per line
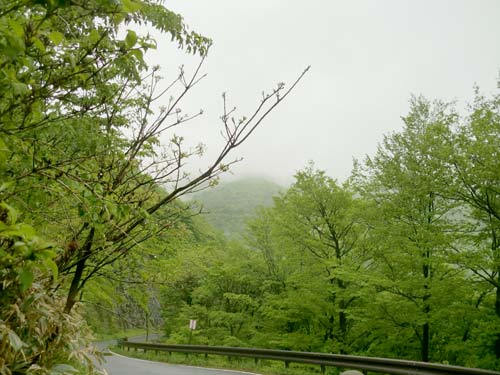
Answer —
372 364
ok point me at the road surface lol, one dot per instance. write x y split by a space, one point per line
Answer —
120 365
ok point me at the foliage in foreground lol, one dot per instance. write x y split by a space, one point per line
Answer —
56 59
36 337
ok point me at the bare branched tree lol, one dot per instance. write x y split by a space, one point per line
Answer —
131 185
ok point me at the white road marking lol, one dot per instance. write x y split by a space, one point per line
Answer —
174 364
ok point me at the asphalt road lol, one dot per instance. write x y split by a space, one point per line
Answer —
103 345
120 365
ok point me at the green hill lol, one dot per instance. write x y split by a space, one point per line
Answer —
229 205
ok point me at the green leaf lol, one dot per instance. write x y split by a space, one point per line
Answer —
20 230
14 341
12 213
25 279
3 146
47 254
39 45
53 268
5 185
19 88
62 368
56 37
16 27
130 39
3 151
94 36
137 53
130 6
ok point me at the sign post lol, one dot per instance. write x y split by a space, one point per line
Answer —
192 327
192 324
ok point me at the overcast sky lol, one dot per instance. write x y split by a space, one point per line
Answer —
367 57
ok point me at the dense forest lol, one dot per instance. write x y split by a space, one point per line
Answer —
401 260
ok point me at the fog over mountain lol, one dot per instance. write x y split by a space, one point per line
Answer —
229 205
367 58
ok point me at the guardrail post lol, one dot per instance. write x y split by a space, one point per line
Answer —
287 364
121 342
323 369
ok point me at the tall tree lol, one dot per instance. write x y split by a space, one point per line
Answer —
406 180
476 166
315 221
84 136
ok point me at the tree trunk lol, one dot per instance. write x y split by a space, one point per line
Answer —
77 282
343 331
497 313
495 248
329 330
75 286
426 338
425 342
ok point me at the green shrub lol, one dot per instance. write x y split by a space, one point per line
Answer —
36 337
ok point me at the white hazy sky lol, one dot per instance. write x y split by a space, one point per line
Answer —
367 57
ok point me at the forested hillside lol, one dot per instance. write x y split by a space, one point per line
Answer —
228 206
